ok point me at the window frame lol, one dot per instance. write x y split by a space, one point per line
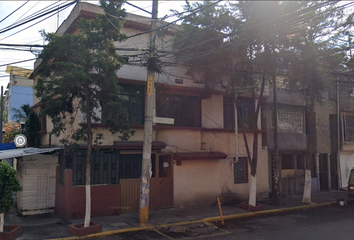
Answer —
227 100
344 127
162 95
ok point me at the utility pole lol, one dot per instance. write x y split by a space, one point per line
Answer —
150 98
276 171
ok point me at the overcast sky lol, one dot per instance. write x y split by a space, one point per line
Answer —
32 35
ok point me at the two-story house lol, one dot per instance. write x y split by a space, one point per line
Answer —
192 160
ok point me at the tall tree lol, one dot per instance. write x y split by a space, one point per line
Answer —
235 43
79 74
310 58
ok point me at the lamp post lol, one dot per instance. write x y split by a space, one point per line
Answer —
22 121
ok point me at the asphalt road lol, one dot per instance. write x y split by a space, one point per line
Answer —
332 223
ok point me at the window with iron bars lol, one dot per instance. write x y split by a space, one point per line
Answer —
348 123
241 170
290 119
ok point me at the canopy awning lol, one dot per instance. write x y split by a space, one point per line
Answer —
22 152
199 155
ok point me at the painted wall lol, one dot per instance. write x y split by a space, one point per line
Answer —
200 182
70 200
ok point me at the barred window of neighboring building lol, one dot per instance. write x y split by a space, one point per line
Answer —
241 170
291 119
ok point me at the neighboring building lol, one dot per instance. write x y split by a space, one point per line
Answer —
192 160
19 90
294 131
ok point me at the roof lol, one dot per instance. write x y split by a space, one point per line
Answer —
22 152
18 71
199 155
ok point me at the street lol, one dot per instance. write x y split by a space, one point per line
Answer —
335 222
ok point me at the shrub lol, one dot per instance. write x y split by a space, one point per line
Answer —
11 130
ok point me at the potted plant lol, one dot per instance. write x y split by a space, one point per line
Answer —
8 186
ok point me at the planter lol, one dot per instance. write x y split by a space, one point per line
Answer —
11 232
80 230
247 207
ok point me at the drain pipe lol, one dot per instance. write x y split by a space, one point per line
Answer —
338 140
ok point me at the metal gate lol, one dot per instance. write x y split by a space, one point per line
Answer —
161 187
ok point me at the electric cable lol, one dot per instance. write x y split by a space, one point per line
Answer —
14 11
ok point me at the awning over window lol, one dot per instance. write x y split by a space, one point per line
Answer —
21 152
199 155
136 145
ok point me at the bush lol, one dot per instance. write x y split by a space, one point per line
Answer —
11 130
8 185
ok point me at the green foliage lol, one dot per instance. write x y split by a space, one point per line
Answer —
8 185
32 125
79 74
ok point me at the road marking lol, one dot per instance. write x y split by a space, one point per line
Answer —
162 234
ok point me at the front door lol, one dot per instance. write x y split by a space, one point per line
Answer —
323 167
162 185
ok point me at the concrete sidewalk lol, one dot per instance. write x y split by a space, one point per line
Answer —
48 226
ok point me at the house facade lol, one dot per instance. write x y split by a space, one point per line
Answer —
193 160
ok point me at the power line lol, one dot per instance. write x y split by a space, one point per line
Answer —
202 54
36 23
42 15
168 24
3 65
33 14
13 11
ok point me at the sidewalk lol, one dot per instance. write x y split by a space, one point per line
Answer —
47 226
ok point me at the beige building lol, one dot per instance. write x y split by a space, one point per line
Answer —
193 159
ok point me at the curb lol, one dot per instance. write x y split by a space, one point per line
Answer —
208 219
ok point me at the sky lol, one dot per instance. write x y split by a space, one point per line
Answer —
32 34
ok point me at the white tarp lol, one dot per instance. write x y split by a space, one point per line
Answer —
21 152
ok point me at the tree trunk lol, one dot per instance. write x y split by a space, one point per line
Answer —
253 190
306 197
311 148
2 222
88 166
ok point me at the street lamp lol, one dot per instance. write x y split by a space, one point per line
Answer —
22 122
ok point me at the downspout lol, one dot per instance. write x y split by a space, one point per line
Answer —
338 140
236 132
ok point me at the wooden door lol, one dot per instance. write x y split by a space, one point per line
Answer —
162 185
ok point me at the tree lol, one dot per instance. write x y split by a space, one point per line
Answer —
79 74
32 125
254 48
8 185
235 43
313 55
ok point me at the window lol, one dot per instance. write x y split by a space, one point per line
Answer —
133 102
104 167
348 123
241 170
243 109
183 108
291 119
287 161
